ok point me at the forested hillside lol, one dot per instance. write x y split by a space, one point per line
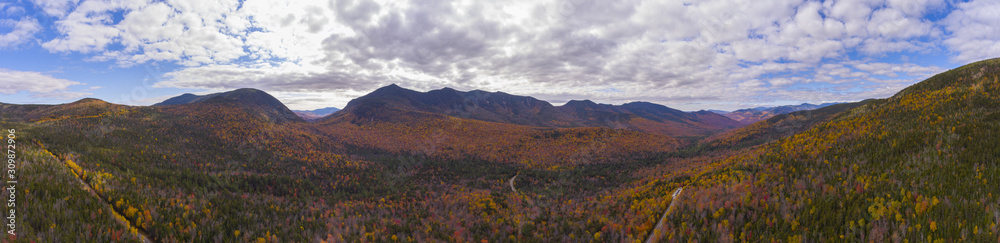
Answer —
919 166
236 167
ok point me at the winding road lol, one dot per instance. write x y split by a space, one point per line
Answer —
511 182
655 235
142 234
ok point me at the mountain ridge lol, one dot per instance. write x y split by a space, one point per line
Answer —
752 115
919 166
253 100
934 141
529 111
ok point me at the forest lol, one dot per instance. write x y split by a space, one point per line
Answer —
921 165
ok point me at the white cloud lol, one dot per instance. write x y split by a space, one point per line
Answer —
39 84
189 32
283 77
663 51
915 7
13 10
891 23
315 100
21 31
892 70
88 28
57 8
975 30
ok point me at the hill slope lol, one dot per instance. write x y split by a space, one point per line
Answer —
82 107
213 164
752 115
921 165
382 127
778 126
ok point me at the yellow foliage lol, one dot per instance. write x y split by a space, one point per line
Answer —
130 211
74 167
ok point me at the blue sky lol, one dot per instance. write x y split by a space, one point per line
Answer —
690 55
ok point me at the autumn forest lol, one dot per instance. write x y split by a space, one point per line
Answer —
398 165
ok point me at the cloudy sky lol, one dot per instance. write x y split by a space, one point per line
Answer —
687 54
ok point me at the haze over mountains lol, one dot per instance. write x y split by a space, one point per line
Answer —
310 115
752 115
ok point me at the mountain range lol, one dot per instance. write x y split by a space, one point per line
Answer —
448 165
752 115
385 103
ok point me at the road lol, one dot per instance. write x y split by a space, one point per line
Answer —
655 235
511 182
143 236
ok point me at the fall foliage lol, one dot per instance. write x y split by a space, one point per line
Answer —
919 166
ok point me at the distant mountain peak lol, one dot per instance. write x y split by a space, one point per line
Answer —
316 114
581 104
247 90
391 88
90 100
246 97
586 102
247 94
756 114
180 99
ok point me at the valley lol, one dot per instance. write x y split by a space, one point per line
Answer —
455 166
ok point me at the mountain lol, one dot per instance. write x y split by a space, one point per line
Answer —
720 112
452 125
311 115
86 106
251 100
918 166
392 102
648 117
244 95
186 98
751 115
476 104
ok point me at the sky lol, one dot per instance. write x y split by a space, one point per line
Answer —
689 55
